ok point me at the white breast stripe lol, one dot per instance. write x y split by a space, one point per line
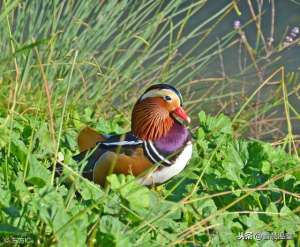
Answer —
159 176
149 154
158 154
121 143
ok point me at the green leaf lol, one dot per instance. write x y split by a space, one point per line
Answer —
91 192
138 196
233 165
46 145
19 149
12 211
254 223
6 229
5 197
4 133
112 204
266 167
202 117
115 231
111 225
289 220
217 125
38 174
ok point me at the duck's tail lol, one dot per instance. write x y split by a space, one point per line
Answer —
88 138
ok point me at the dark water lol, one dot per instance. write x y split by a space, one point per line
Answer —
287 16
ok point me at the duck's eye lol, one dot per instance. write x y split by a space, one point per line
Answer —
167 98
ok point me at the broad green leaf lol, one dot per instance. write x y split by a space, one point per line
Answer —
6 229
289 221
5 197
233 165
38 174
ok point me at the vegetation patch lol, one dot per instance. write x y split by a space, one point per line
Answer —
67 64
231 186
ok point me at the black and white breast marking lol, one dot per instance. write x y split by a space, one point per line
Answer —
163 174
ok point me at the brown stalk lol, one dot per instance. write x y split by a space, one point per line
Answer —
48 95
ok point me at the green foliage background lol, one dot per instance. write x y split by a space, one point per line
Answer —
66 64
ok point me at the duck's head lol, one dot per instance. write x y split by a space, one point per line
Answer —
156 111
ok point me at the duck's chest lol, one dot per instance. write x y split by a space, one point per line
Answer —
164 173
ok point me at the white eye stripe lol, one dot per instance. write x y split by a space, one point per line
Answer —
160 93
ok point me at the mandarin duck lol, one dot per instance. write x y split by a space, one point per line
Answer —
157 148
